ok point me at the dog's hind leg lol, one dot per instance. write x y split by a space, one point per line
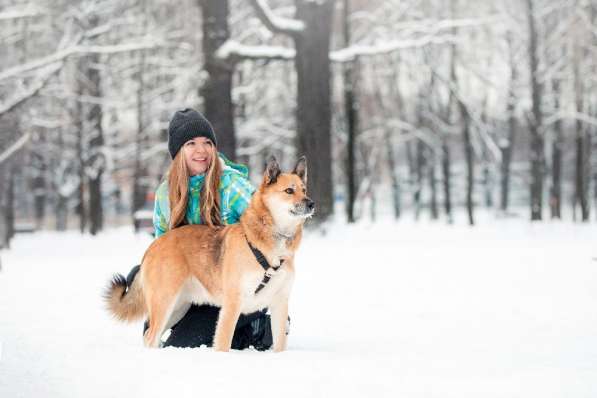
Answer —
160 313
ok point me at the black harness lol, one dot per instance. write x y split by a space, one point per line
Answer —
265 265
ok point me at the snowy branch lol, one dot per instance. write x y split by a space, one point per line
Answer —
234 51
75 50
434 34
14 148
273 22
29 12
350 53
570 115
41 81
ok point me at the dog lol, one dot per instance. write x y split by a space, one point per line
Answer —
240 268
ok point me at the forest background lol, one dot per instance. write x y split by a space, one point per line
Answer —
411 108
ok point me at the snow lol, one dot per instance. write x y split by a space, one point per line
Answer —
14 147
27 12
504 309
279 23
233 48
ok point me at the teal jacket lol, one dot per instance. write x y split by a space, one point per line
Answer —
235 194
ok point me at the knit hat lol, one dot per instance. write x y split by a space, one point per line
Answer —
185 125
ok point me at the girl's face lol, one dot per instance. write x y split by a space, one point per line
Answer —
197 154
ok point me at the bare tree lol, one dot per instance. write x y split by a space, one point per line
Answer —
507 144
536 117
311 31
217 88
351 107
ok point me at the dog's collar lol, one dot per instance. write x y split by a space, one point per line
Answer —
264 264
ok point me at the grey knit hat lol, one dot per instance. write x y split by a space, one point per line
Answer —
185 125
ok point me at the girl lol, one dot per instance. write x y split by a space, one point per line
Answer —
203 187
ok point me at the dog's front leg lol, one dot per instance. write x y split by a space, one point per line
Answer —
227 320
279 313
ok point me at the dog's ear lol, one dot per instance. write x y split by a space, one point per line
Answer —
272 171
301 169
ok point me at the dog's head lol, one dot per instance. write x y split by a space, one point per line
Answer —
285 194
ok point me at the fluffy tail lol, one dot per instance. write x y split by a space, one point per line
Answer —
125 300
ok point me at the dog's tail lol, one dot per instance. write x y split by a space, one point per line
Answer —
124 299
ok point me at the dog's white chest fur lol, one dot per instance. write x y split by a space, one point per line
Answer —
279 283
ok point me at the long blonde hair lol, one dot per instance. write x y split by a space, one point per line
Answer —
178 191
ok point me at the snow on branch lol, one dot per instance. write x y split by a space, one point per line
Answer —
11 150
434 34
570 115
21 97
35 64
75 50
350 53
234 51
275 23
27 12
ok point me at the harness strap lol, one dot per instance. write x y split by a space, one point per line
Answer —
264 264
259 257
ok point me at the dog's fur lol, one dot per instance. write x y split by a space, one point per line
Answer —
198 264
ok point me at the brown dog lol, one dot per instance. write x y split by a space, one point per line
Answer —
220 266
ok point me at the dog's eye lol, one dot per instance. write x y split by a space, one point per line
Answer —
289 191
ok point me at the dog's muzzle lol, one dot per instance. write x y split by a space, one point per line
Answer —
305 208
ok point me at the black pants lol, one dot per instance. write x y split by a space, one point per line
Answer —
198 327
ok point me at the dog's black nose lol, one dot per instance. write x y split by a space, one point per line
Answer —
310 204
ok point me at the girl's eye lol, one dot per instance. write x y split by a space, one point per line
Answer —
289 191
190 143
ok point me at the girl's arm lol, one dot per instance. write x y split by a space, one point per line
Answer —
241 191
160 217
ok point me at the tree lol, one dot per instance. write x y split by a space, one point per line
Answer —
311 31
351 109
535 118
216 91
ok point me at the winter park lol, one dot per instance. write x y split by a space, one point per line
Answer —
299 198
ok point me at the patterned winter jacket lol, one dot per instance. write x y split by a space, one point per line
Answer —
235 193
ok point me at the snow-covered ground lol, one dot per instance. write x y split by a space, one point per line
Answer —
506 309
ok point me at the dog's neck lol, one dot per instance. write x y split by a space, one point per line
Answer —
260 227
278 235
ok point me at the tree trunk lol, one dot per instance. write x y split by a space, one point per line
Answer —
351 118
314 99
38 183
470 167
10 204
140 178
446 153
536 121
432 185
488 185
447 181
507 147
583 142
396 192
420 165
96 164
583 145
388 111
81 209
506 151
3 222
555 200
216 92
